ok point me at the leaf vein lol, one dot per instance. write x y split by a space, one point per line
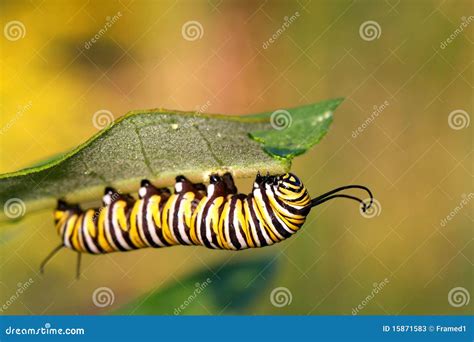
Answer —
142 148
209 147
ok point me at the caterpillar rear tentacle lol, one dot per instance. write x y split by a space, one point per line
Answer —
215 216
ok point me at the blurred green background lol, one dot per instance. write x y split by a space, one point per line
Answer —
418 166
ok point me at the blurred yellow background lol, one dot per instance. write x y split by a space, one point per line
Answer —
414 156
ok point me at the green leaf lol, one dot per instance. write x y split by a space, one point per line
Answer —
223 289
298 131
161 144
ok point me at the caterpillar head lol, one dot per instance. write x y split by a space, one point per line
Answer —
290 182
287 180
291 189
287 187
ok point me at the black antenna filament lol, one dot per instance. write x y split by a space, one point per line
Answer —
333 194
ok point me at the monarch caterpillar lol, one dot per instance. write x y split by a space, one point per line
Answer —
216 217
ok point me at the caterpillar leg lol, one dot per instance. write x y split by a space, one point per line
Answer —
111 195
221 185
148 189
49 256
229 183
217 187
184 185
259 180
78 265
63 206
